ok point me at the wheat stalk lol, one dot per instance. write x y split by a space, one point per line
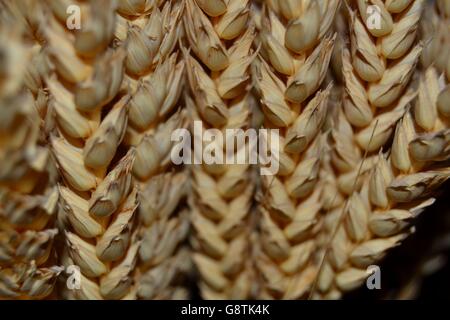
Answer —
151 30
386 191
28 196
296 48
221 196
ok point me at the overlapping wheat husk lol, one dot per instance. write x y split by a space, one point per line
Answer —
154 69
220 36
331 196
335 74
28 195
97 197
383 189
296 41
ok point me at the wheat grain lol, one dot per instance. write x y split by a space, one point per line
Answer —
296 48
221 196
151 30
387 190
28 197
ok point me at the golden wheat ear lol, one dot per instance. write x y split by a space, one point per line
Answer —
220 35
97 195
428 141
297 42
154 72
380 106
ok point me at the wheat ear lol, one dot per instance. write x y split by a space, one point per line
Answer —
296 48
154 73
382 193
98 198
220 36
28 194
429 145
366 122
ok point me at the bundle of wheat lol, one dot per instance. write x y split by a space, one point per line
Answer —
154 71
296 47
222 193
28 196
87 118
386 190
98 197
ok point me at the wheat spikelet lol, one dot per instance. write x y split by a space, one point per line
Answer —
220 35
388 189
28 196
154 72
296 48
98 198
